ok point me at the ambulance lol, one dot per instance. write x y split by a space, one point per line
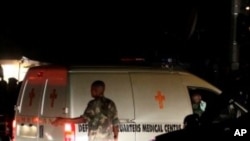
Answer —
150 101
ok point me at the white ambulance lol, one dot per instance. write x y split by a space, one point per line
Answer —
149 101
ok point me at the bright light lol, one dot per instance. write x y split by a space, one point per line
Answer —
17 68
14 124
67 127
10 71
247 8
27 131
13 70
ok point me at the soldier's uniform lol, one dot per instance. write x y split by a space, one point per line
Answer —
101 115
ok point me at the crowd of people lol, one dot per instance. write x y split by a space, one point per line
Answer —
8 95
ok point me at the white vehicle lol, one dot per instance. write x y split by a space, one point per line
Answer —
149 101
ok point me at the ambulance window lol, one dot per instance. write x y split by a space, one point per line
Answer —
204 102
30 98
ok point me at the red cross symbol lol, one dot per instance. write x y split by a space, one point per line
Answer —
53 96
160 98
31 96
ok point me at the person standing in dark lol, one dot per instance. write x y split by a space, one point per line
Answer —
12 94
198 105
3 95
100 114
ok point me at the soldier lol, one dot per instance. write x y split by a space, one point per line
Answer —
101 115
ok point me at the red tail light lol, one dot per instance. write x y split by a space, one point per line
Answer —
14 124
13 130
69 132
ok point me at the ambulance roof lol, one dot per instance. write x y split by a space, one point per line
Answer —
188 79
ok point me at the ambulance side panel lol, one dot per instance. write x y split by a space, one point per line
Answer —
161 103
118 89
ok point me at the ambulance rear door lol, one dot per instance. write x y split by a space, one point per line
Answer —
54 104
41 99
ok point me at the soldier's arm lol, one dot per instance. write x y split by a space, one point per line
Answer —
61 120
76 120
115 121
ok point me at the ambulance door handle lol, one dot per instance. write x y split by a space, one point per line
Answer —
17 108
65 110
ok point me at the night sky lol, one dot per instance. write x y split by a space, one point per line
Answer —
108 32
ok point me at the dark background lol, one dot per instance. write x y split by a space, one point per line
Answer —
105 32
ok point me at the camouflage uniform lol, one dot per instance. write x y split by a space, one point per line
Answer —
101 115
